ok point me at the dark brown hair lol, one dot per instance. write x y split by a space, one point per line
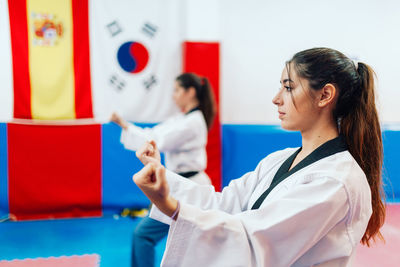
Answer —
356 115
204 94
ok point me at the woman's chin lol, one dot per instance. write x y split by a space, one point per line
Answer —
288 127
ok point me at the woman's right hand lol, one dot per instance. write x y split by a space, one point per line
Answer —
119 120
149 153
152 181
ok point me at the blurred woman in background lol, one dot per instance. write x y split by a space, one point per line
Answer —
183 139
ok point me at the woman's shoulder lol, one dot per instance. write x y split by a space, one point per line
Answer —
191 124
346 170
195 118
184 119
341 166
195 114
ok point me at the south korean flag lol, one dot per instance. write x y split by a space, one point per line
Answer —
135 57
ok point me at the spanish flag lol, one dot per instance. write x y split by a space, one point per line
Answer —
50 57
54 171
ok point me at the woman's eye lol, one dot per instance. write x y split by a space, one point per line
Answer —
288 88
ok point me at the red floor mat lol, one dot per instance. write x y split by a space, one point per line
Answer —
383 254
63 261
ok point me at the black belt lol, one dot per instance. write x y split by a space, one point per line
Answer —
188 174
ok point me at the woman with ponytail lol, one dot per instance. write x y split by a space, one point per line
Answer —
306 206
356 117
183 139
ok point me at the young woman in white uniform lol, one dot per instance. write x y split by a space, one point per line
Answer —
183 139
307 206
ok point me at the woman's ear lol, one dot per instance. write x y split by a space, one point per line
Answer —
191 92
327 95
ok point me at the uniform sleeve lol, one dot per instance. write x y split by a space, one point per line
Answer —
173 136
276 234
134 137
234 198
168 135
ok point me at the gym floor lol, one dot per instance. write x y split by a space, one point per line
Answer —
106 242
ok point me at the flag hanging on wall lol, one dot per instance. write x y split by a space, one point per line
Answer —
135 57
50 57
73 59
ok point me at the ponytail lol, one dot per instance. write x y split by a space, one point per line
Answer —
207 102
204 95
362 131
356 114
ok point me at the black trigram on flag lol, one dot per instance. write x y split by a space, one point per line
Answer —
117 83
150 82
114 28
149 29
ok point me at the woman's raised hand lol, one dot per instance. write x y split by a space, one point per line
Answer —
151 180
149 153
119 120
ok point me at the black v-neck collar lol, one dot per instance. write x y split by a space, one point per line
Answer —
192 110
327 149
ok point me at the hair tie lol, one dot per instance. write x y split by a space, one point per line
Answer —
355 62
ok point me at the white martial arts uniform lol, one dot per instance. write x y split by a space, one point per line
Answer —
314 217
183 140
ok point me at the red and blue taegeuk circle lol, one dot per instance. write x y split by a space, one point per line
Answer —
133 57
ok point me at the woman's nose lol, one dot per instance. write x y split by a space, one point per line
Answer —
277 98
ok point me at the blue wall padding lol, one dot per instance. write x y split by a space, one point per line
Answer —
243 146
391 165
119 165
3 171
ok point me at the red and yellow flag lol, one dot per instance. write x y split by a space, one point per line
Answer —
51 65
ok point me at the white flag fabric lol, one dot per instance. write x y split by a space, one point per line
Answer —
117 28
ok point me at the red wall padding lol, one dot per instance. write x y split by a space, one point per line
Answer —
203 59
54 171
20 56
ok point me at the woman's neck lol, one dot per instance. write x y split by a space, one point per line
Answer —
318 135
190 106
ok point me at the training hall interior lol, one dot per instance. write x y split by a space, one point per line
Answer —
67 197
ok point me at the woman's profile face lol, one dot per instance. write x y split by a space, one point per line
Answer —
297 108
180 95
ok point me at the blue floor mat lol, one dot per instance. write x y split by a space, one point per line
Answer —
108 237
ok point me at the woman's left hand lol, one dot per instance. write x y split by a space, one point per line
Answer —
151 180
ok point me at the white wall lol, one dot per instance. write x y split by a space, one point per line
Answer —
6 78
258 36
202 20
